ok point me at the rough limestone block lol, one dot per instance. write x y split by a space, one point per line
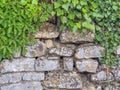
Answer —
47 30
37 50
117 75
16 65
59 80
62 51
23 86
101 77
91 87
68 36
88 51
33 76
49 43
88 65
10 78
68 63
47 65
118 50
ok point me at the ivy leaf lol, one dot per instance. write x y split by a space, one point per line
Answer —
88 25
57 5
35 2
75 2
65 6
71 16
64 19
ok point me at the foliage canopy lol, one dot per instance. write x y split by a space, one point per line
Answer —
21 18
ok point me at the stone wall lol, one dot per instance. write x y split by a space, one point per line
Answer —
60 60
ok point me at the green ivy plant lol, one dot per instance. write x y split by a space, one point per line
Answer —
18 20
108 29
75 14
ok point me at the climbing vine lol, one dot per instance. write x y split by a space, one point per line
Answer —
21 18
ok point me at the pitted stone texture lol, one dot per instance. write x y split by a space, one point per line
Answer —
88 51
62 51
49 43
10 78
18 77
17 54
70 80
102 76
92 87
118 50
47 65
88 65
117 75
33 76
68 36
112 86
47 30
37 50
23 86
16 65
68 63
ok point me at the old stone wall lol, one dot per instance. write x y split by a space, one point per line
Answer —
60 60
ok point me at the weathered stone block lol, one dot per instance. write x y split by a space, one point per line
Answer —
68 63
47 65
63 80
10 78
92 87
47 30
68 36
88 65
33 76
101 77
23 86
62 51
117 75
49 43
37 50
118 50
88 51
16 65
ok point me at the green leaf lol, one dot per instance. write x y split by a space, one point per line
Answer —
88 25
75 2
65 6
57 5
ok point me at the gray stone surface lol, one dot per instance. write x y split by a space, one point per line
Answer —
59 80
92 87
102 76
10 78
68 36
117 75
47 65
18 77
16 65
118 50
23 86
88 51
68 63
62 51
37 50
88 65
49 43
33 76
47 30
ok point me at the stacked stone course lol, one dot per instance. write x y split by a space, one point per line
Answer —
60 60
